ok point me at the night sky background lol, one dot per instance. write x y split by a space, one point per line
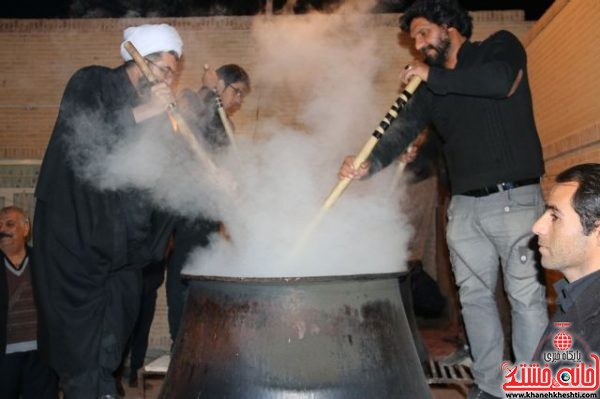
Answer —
187 8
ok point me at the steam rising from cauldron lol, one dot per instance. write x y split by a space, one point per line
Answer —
327 64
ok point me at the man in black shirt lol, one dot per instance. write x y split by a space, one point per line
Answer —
476 95
569 240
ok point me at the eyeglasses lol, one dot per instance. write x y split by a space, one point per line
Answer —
238 92
166 71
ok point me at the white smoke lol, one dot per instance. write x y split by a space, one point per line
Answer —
327 64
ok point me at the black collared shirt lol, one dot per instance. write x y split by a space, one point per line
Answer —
488 137
567 293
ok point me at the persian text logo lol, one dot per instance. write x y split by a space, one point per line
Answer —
565 367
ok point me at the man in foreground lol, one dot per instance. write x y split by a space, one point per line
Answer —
569 240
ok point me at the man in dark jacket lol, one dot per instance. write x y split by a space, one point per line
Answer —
476 95
91 243
23 374
228 86
569 241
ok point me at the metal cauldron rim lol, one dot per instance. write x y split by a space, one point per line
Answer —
295 279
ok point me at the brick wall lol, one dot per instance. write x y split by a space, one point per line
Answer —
564 70
37 57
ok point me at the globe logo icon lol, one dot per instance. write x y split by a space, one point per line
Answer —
565 376
562 341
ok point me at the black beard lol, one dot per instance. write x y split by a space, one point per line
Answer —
441 53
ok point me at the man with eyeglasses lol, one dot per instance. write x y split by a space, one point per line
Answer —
91 244
231 84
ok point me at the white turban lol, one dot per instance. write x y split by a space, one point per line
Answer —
149 39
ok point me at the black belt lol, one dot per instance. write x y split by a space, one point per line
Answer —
505 186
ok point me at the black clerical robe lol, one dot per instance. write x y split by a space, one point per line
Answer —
90 244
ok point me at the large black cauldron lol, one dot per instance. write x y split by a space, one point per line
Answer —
337 337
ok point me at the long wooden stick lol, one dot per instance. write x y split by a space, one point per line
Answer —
180 123
362 156
223 116
226 123
374 139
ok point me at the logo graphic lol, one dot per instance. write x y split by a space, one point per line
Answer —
565 376
562 341
567 365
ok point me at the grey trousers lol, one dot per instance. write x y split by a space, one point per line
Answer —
483 233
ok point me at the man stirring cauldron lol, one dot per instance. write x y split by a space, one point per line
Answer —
476 94
90 244
228 86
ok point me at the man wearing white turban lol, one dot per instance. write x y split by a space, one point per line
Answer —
91 244
149 39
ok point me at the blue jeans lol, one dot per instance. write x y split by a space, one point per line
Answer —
482 233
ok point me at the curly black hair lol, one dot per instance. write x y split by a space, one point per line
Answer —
440 12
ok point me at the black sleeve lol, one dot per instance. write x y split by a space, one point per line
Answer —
493 77
413 118
90 92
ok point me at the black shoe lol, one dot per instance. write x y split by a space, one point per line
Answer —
476 393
